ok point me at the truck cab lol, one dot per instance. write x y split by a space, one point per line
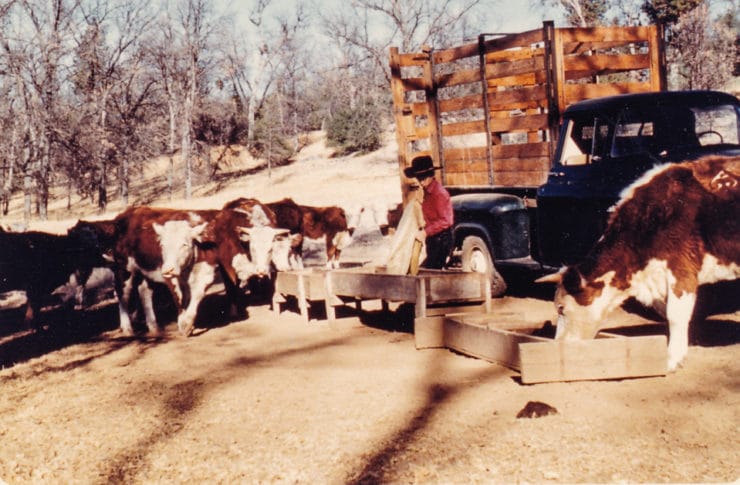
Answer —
603 146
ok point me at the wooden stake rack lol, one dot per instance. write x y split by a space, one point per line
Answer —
428 288
539 359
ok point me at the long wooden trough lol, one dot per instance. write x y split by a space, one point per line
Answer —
540 359
428 288
453 309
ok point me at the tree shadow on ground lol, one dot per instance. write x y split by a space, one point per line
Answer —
61 329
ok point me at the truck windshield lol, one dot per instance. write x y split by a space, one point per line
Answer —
639 130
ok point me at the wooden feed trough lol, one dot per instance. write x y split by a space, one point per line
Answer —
428 288
490 337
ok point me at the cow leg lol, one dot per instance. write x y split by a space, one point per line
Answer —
200 279
124 286
679 310
146 296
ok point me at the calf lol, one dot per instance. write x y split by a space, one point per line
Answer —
312 222
674 229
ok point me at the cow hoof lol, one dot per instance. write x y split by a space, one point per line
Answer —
186 330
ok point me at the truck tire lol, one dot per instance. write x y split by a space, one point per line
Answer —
476 257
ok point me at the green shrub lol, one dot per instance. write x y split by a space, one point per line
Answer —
356 130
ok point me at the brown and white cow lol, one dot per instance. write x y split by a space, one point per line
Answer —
674 229
329 223
184 250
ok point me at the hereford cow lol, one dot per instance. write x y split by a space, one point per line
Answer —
38 262
329 223
184 250
674 229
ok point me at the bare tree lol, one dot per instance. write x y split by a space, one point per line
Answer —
582 13
365 29
180 56
702 51
36 42
262 51
107 52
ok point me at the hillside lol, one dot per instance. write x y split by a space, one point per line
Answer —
313 177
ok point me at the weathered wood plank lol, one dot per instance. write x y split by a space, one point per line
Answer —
520 123
494 345
606 64
463 76
522 150
463 102
600 358
578 92
604 34
536 95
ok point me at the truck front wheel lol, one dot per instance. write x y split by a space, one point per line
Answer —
476 257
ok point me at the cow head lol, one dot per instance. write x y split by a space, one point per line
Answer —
176 240
261 240
581 304
285 255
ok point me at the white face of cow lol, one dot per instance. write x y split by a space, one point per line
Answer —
261 245
581 306
176 240
284 256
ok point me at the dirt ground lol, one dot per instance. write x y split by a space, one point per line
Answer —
275 399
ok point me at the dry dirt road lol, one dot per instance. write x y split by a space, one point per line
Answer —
273 399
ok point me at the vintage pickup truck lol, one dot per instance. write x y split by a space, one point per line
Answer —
537 133
605 144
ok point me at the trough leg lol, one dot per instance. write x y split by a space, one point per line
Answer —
330 314
302 300
421 297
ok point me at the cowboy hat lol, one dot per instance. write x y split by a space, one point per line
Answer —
420 166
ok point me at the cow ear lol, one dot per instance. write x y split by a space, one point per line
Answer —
199 233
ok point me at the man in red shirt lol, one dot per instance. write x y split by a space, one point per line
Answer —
437 210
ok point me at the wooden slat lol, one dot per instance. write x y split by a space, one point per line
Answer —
524 39
499 165
601 358
519 80
520 123
604 34
412 59
583 47
464 76
455 53
513 54
578 92
506 69
466 178
521 150
519 179
536 95
464 102
466 153
466 165
604 64
463 128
